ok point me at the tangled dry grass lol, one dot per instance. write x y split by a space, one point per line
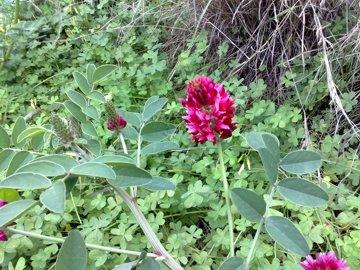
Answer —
272 33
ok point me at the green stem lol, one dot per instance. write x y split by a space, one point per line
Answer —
148 231
253 245
138 155
90 246
84 155
17 11
123 143
75 208
121 136
330 247
227 200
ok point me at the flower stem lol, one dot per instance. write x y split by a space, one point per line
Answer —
138 154
257 234
90 246
83 154
75 208
227 200
121 136
148 231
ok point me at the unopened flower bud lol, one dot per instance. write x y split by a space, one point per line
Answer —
61 129
75 127
110 111
117 125
115 121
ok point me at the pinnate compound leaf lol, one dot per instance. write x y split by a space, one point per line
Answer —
20 126
26 181
131 118
233 263
77 98
89 129
301 162
102 71
284 232
152 106
11 211
4 138
31 132
249 204
128 175
94 147
5 158
256 140
159 183
20 158
75 111
97 96
65 161
267 145
94 169
72 254
270 163
37 142
82 82
158 147
70 182
114 159
43 167
272 144
130 133
90 69
157 131
303 192
92 112
149 264
54 198
151 100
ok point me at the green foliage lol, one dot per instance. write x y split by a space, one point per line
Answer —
284 232
249 204
12 210
48 63
232 263
72 254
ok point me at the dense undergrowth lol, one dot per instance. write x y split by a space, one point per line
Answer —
159 46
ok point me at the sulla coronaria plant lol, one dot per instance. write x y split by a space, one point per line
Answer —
51 158
210 110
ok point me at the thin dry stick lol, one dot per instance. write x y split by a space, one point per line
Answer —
335 99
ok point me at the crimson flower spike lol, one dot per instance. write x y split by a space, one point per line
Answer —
209 109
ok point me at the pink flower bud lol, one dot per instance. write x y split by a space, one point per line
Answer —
117 124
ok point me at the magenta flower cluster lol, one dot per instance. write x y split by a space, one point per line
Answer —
324 261
209 109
